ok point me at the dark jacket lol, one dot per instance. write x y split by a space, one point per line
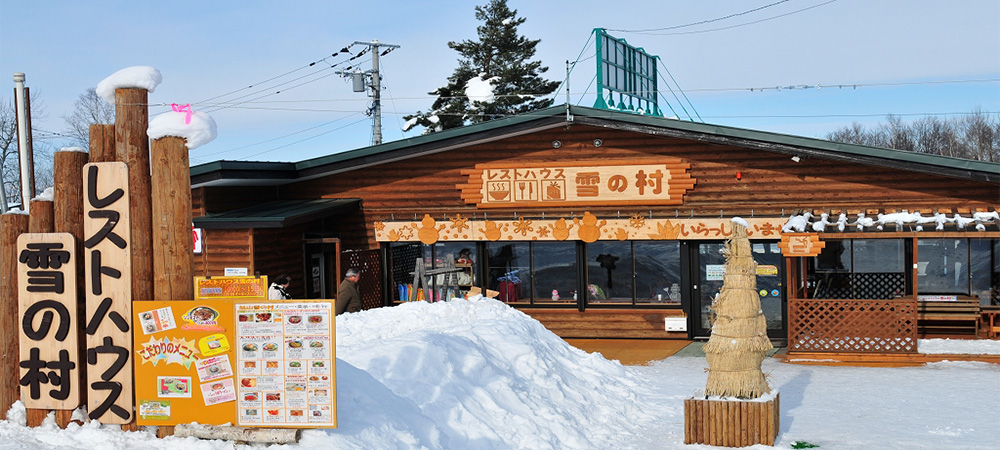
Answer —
348 299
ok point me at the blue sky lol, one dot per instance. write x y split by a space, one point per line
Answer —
907 58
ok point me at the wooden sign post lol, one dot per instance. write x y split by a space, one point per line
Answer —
109 292
49 361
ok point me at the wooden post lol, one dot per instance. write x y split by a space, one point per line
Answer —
11 226
132 148
40 220
173 252
102 143
731 423
67 201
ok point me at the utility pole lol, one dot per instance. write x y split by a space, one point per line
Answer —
375 84
23 147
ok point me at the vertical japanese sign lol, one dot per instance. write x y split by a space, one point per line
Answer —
47 305
108 272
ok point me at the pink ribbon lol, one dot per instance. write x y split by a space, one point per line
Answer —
183 109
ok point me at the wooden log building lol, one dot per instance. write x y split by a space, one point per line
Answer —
610 224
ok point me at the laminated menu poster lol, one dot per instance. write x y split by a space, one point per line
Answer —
286 364
242 361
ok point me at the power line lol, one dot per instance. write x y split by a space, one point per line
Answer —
701 22
740 25
306 139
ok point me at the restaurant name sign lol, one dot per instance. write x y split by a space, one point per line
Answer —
658 181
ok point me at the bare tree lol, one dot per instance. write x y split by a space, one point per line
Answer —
89 109
10 172
973 136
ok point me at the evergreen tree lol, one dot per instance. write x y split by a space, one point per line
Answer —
500 57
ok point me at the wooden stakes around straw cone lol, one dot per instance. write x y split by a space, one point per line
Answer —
102 143
11 226
173 253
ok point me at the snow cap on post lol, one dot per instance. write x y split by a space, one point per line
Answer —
197 128
142 77
740 221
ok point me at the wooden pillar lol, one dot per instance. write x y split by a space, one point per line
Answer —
67 200
102 143
40 220
173 253
132 148
11 226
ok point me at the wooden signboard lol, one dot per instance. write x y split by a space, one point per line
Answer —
801 244
649 181
108 272
588 228
247 362
47 312
230 287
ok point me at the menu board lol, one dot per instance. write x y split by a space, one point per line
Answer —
252 362
286 364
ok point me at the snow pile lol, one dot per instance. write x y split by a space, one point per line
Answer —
142 77
489 376
197 128
480 90
959 346
45 196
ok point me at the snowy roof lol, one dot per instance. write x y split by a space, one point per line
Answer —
807 222
558 116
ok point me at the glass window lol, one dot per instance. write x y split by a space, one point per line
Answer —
943 266
609 271
658 272
860 269
878 256
555 273
509 270
980 273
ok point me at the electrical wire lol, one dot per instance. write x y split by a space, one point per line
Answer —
306 139
739 25
701 22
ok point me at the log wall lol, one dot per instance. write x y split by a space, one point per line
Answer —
770 183
607 323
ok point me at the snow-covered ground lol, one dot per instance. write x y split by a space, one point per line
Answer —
481 375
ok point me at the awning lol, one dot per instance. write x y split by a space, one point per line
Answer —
278 214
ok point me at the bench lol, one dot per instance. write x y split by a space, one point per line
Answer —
991 321
959 317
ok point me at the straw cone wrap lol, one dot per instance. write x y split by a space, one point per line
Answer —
739 341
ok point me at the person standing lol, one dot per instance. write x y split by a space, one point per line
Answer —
348 298
279 288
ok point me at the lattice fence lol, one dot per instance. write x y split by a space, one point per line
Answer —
370 283
852 326
842 285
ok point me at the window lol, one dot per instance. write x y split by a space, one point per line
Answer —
442 255
554 271
633 272
509 271
609 272
860 269
943 266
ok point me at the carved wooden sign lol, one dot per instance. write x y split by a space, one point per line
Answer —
658 181
108 270
588 228
49 356
801 244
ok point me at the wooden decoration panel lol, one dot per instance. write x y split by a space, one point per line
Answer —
857 326
108 272
641 181
588 228
49 368
807 244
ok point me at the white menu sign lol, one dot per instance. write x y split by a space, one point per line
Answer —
286 364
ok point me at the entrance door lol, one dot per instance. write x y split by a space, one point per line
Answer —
709 265
322 267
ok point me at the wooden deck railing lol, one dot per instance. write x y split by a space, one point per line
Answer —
852 326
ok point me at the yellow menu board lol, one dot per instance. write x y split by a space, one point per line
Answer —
251 362
230 287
